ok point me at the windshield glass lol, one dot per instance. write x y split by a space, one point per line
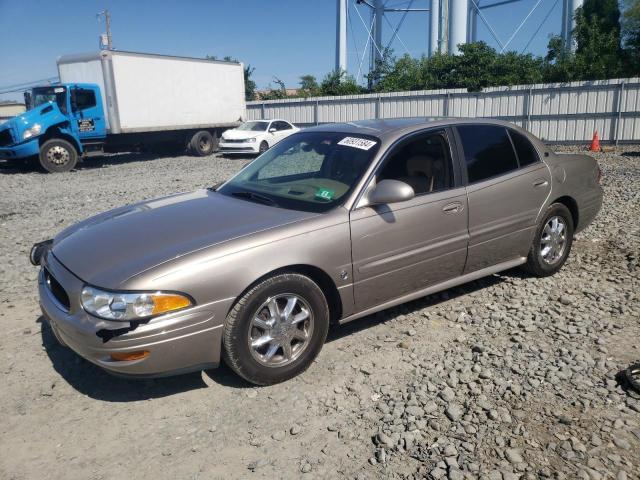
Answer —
50 94
310 171
254 126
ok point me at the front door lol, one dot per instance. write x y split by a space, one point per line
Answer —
87 114
400 248
507 186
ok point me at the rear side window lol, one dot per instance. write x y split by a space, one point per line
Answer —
487 151
526 151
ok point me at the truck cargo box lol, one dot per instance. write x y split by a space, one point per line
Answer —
148 92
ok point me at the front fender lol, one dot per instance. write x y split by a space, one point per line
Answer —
226 270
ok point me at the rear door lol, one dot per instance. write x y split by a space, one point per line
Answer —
401 248
507 186
87 114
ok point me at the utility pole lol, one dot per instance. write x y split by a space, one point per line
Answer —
107 19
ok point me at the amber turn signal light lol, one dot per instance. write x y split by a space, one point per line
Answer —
129 356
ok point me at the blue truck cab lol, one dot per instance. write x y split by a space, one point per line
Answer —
64 122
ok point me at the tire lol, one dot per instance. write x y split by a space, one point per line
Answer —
202 143
547 239
264 146
267 362
57 155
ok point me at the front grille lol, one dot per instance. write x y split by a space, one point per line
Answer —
225 140
56 290
5 137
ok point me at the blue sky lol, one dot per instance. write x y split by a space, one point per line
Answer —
281 38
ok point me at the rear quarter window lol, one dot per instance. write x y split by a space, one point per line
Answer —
487 151
525 150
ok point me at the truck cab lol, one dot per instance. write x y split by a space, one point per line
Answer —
63 122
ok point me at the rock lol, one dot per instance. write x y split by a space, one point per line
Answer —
256 464
453 412
295 430
279 435
447 394
513 455
621 443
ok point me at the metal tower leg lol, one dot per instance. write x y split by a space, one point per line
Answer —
459 10
341 36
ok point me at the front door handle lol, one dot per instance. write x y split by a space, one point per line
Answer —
454 207
540 183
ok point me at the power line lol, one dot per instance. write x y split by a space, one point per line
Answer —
25 86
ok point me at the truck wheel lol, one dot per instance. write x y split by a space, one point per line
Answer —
57 155
202 143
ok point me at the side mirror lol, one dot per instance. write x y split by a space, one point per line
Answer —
390 191
27 100
272 130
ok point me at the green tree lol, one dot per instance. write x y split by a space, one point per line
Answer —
598 54
275 93
631 36
339 83
309 86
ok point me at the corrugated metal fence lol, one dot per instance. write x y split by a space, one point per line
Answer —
557 113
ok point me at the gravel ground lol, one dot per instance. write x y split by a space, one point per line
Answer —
507 377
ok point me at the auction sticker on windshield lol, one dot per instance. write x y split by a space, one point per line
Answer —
361 143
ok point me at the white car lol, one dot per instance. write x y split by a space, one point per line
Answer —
256 136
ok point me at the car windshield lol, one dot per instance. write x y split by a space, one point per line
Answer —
310 171
253 126
50 94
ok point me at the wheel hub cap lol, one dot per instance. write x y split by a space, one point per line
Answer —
553 240
58 155
280 330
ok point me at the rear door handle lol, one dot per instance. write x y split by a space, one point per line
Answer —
540 183
454 207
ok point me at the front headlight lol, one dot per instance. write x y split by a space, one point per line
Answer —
250 140
32 131
128 306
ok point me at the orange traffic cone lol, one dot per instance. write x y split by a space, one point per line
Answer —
595 143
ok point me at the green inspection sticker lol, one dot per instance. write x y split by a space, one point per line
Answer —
325 193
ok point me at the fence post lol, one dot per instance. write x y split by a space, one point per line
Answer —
619 111
446 104
262 110
529 95
378 100
316 112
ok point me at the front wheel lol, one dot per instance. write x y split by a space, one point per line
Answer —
276 329
552 242
57 155
264 146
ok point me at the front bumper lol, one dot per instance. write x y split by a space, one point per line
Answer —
239 147
185 341
21 150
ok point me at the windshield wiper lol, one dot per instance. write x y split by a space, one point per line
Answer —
255 197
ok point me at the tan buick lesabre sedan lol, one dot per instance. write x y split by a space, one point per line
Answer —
331 224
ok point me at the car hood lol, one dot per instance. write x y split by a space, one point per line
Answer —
110 248
240 134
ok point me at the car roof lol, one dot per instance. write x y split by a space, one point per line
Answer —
395 127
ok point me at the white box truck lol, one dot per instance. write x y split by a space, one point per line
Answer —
120 101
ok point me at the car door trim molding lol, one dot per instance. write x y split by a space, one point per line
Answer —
454 282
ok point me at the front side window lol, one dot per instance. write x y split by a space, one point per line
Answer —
424 162
487 151
83 98
281 126
525 150
310 171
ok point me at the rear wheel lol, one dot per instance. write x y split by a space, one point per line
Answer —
276 329
202 143
57 155
552 242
